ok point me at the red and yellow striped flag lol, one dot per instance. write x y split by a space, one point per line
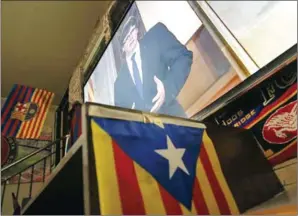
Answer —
24 112
142 168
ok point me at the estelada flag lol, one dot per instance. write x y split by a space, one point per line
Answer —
24 112
178 167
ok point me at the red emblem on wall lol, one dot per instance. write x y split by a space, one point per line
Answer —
281 126
8 150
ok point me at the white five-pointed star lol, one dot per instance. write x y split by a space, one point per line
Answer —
174 156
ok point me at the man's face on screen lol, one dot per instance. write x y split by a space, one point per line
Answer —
131 40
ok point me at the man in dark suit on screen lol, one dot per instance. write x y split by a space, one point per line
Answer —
154 71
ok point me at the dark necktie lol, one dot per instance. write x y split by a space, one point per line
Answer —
136 76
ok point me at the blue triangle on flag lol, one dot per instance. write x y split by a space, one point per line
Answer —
141 141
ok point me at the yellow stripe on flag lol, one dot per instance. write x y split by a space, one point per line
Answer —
218 173
185 211
31 121
206 189
109 198
24 125
43 114
39 102
41 109
150 192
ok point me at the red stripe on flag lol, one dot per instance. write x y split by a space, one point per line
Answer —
171 205
16 123
218 193
129 190
34 120
26 130
9 107
198 199
44 108
10 122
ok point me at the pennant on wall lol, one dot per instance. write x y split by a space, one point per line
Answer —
149 168
269 110
24 112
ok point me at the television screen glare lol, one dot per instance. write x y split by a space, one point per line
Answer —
163 60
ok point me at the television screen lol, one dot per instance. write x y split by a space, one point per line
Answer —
162 59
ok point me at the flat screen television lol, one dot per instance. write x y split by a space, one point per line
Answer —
161 59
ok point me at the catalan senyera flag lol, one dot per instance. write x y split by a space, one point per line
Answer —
24 112
163 168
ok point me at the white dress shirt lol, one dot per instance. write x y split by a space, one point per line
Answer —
138 61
